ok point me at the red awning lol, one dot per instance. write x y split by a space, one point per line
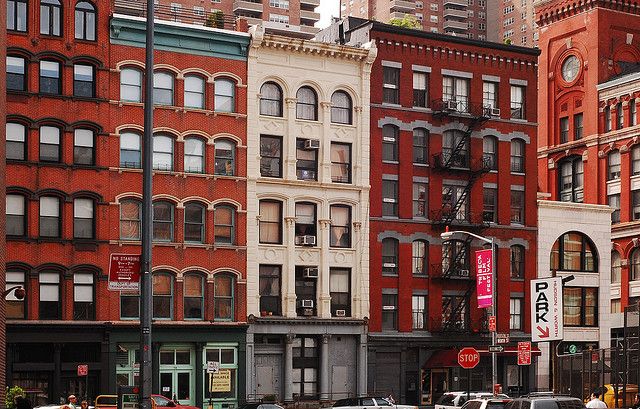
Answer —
449 357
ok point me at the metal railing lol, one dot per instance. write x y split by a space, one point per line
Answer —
177 14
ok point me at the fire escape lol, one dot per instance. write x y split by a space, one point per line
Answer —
456 160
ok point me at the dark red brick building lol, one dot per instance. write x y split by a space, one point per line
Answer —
453 137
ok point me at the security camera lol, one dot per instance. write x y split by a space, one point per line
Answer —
20 293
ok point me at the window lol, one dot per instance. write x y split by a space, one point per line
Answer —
340 162
517 206
225 157
419 255
194 155
573 252
564 130
517 156
163 221
306 160
614 203
307 104
419 312
571 180
456 90
635 205
193 92
389 312
83 81
224 95
16 147
451 196
194 221
517 261
607 119
577 126
279 18
162 296
130 155
619 116
193 296
162 152
613 162
420 95
633 118
580 306
455 258
162 88
84 308
517 102
15 308
341 108
305 223
635 265
270 99
420 146
340 291
420 206
489 94
49 305
616 267
616 306
515 314
389 256
455 149
489 205
455 312
129 305
490 152
270 156
49 144
306 371
85 21
50 82
305 287
635 160
340 234
223 297
83 223
270 290
391 85
49 216
83 147
50 17
224 224
17 15
130 220
270 222
390 198
16 74
131 85
16 215
389 143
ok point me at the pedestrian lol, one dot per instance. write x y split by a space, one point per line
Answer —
84 405
595 402
636 402
73 402
22 402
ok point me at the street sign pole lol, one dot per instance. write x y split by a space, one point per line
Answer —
494 357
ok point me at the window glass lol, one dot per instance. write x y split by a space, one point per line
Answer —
224 95
130 154
390 256
15 215
83 147
340 234
49 305
391 85
194 155
162 88
340 162
224 220
16 141
162 296
83 81
223 302
270 156
49 216
131 85
162 221
130 220
83 305
194 221
50 17
15 308
270 99
420 89
270 222
224 157
341 109
83 219
16 74
50 77
162 152
389 143
307 104
193 296
420 146
85 28
49 144
17 15
193 91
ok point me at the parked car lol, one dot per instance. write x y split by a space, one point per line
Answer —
110 402
260 405
454 400
609 395
545 401
368 403
486 403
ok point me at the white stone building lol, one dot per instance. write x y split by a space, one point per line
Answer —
307 208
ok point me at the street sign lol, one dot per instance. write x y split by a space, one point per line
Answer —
83 370
468 358
524 353
492 323
484 278
213 367
124 272
496 348
595 357
546 310
502 338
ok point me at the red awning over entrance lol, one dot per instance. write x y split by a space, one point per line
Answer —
449 357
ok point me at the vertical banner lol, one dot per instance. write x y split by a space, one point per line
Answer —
484 277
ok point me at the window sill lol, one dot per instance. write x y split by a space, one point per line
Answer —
420 276
421 165
517 279
393 275
390 104
421 109
391 162
85 41
517 173
390 217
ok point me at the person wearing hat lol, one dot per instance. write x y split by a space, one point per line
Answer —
73 402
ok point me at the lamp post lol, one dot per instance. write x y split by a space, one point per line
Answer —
447 235
20 292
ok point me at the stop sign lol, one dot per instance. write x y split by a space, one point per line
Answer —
468 358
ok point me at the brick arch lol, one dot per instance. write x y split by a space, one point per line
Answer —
87 59
52 192
18 51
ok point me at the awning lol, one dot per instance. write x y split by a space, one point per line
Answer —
449 357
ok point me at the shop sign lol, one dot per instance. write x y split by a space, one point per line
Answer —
221 381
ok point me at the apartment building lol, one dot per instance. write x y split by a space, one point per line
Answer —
512 22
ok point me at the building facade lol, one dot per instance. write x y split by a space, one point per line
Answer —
453 131
513 22
3 93
74 183
307 212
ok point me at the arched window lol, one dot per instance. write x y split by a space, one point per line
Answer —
225 95
223 297
16 144
490 152
389 143
50 141
162 88
270 99
83 143
574 252
162 296
635 265
130 153
131 85
613 165
225 160
307 105
16 73
50 77
455 259
193 155
16 215
85 21
193 296
225 224
517 261
16 309
194 222
616 267
162 152
571 179
419 254
270 222
50 17
389 256
341 108
130 219
163 221
420 146
17 15
84 307
193 91
455 149
517 156
49 307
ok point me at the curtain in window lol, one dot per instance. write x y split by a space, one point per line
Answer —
572 305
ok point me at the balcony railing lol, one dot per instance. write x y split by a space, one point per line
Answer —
402 5
138 8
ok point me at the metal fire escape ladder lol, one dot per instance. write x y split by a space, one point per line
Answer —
452 324
457 264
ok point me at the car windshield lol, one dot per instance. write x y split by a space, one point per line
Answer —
545 404
161 401
447 399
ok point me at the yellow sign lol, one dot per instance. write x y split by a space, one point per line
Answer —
221 381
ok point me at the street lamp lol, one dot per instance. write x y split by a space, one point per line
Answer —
448 235
19 292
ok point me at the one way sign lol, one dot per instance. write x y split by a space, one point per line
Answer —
546 310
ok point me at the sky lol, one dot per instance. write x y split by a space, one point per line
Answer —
327 9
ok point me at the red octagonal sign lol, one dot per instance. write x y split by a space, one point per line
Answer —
468 358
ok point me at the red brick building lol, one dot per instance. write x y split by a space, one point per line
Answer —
453 134
3 91
74 184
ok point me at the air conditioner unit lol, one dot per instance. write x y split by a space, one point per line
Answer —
312 144
451 105
495 112
463 273
305 303
310 272
305 240
307 175
307 312
389 265
341 313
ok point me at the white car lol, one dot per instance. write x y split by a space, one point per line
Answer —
455 400
369 403
486 403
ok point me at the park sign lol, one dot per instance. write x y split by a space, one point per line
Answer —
124 272
546 310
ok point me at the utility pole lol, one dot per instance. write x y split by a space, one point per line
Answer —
494 308
146 287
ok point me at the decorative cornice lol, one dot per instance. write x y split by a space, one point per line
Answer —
550 11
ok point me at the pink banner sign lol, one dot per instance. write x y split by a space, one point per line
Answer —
484 275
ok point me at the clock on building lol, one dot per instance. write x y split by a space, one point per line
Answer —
570 68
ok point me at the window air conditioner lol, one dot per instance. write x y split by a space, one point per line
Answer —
341 313
305 303
305 240
451 105
495 111
312 144
463 273
310 272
